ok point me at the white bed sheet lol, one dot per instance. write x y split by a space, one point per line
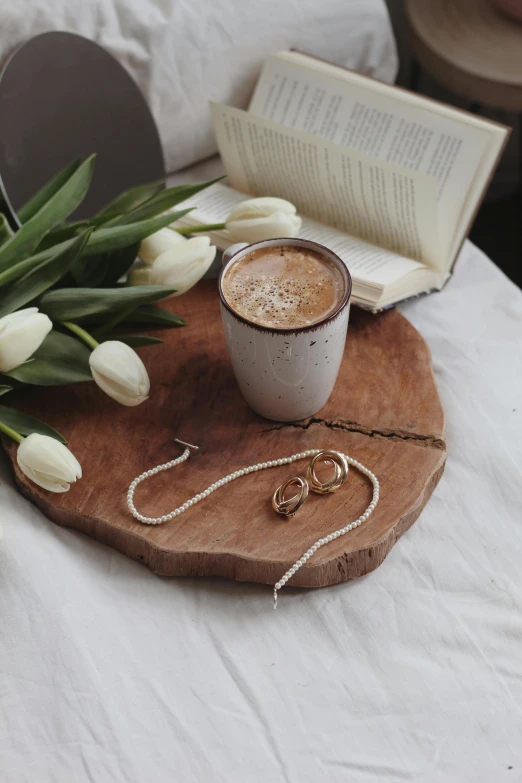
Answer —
413 673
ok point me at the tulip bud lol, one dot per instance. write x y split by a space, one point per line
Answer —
120 373
262 218
140 275
157 243
48 462
21 334
182 266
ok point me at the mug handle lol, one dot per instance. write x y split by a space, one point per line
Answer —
232 250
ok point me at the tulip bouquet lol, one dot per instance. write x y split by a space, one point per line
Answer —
62 295
61 299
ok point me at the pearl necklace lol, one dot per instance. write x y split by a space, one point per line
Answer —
244 472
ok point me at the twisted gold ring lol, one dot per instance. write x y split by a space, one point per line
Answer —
291 506
340 471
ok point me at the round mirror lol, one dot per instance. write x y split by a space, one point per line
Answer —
63 97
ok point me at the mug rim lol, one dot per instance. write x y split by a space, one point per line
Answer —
323 250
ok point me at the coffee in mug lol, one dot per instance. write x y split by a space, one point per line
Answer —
285 306
284 287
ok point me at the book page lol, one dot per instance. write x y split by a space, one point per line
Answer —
355 115
376 201
366 262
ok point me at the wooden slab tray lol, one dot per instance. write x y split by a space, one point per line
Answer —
385 411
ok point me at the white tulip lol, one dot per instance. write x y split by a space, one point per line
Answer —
263 218
140 275
120 373
162 240
183 265
21 333
48 462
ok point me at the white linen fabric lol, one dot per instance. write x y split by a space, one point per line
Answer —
183 53
412 673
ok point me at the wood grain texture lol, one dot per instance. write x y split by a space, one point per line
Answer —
385 411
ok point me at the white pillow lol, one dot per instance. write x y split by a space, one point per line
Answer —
184 52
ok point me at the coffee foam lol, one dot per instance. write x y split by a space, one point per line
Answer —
283 287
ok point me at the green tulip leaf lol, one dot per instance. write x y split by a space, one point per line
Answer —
107 239
18 270
58 235
126 201
43 255
69 304
31 207
38 280
118 264
110 239
135 340
164 200
148 314
88 272
5 389
59 360
53 212
25 424
6 232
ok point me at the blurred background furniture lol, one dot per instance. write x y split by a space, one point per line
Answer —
475 51
471 48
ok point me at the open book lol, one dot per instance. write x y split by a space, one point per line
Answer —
387 179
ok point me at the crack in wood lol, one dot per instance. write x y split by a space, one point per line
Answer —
427 441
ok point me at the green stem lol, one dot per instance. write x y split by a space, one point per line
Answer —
198 229
81 333
9 431
118 318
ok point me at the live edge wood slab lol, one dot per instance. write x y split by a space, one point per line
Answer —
385 412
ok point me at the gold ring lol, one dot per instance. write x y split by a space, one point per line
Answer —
291 506
340 471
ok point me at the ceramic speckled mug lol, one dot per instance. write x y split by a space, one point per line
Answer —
286 374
